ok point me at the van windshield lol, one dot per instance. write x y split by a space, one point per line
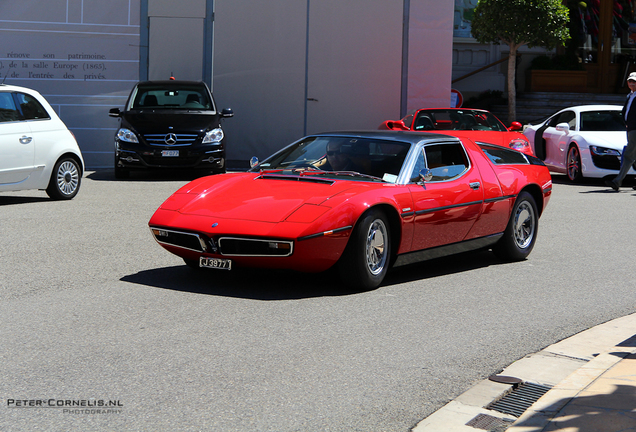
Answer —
186 97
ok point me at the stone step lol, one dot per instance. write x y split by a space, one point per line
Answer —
533 107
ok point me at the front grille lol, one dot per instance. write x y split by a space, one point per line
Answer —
606 162
184 240
185 160
182 139
230 246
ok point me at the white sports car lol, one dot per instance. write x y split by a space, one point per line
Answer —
581 141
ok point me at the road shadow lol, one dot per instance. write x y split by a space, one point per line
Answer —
146 176
267 284
253 284
441 267
12 200
607 412
594 182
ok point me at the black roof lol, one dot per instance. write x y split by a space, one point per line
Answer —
390 135
170 83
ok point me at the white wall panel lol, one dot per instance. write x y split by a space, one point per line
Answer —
355 63
259 71
430 54
83 56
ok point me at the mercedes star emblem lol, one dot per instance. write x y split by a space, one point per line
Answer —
170 139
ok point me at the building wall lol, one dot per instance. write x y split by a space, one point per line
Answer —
176 39
286 67
83 56
290 68
430 45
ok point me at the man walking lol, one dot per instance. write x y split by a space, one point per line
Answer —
629 151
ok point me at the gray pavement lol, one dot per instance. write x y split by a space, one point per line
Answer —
91 306
592 380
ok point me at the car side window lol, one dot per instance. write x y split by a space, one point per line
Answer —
31 108
8 110
445 161
565 117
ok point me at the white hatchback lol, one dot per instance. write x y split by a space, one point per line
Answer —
37 151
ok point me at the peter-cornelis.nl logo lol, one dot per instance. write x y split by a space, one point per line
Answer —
70 406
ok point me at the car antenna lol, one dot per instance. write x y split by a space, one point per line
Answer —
4 79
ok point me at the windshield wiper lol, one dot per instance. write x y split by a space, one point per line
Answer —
302 172
354 174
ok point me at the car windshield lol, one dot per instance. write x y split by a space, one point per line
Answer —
602 121
157 97
444 119
331 156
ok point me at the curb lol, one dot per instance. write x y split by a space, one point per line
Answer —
568 367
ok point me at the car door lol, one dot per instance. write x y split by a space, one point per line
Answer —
557 140
16 142
447 205
45 131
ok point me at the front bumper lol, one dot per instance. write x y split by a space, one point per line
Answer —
315 254
599 166
139 156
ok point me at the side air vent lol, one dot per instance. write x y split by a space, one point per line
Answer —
230 246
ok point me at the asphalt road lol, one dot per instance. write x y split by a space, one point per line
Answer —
91 309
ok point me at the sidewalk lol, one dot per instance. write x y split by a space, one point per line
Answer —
590 379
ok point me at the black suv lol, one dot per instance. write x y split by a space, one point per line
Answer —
170 124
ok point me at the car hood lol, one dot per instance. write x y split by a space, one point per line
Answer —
248 196
149 121
615 140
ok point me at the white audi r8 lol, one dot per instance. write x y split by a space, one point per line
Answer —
581 141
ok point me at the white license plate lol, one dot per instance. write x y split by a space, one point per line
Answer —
170 153
217 263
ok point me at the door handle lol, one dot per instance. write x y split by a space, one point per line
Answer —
475 185
25 139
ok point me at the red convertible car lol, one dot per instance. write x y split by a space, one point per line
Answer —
478 125
360 201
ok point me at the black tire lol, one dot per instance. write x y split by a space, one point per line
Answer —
367 256
66 179
573 164
521 233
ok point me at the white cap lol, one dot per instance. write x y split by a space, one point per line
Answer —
632 77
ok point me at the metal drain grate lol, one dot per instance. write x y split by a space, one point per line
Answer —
520 399
489 423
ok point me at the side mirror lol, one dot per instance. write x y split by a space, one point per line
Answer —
563 127
515 126
253 162
227 113
426 175
114 112
393 125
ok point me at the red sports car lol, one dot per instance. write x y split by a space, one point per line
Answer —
360 201
478 125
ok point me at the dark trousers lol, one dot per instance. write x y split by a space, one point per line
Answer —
628 158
